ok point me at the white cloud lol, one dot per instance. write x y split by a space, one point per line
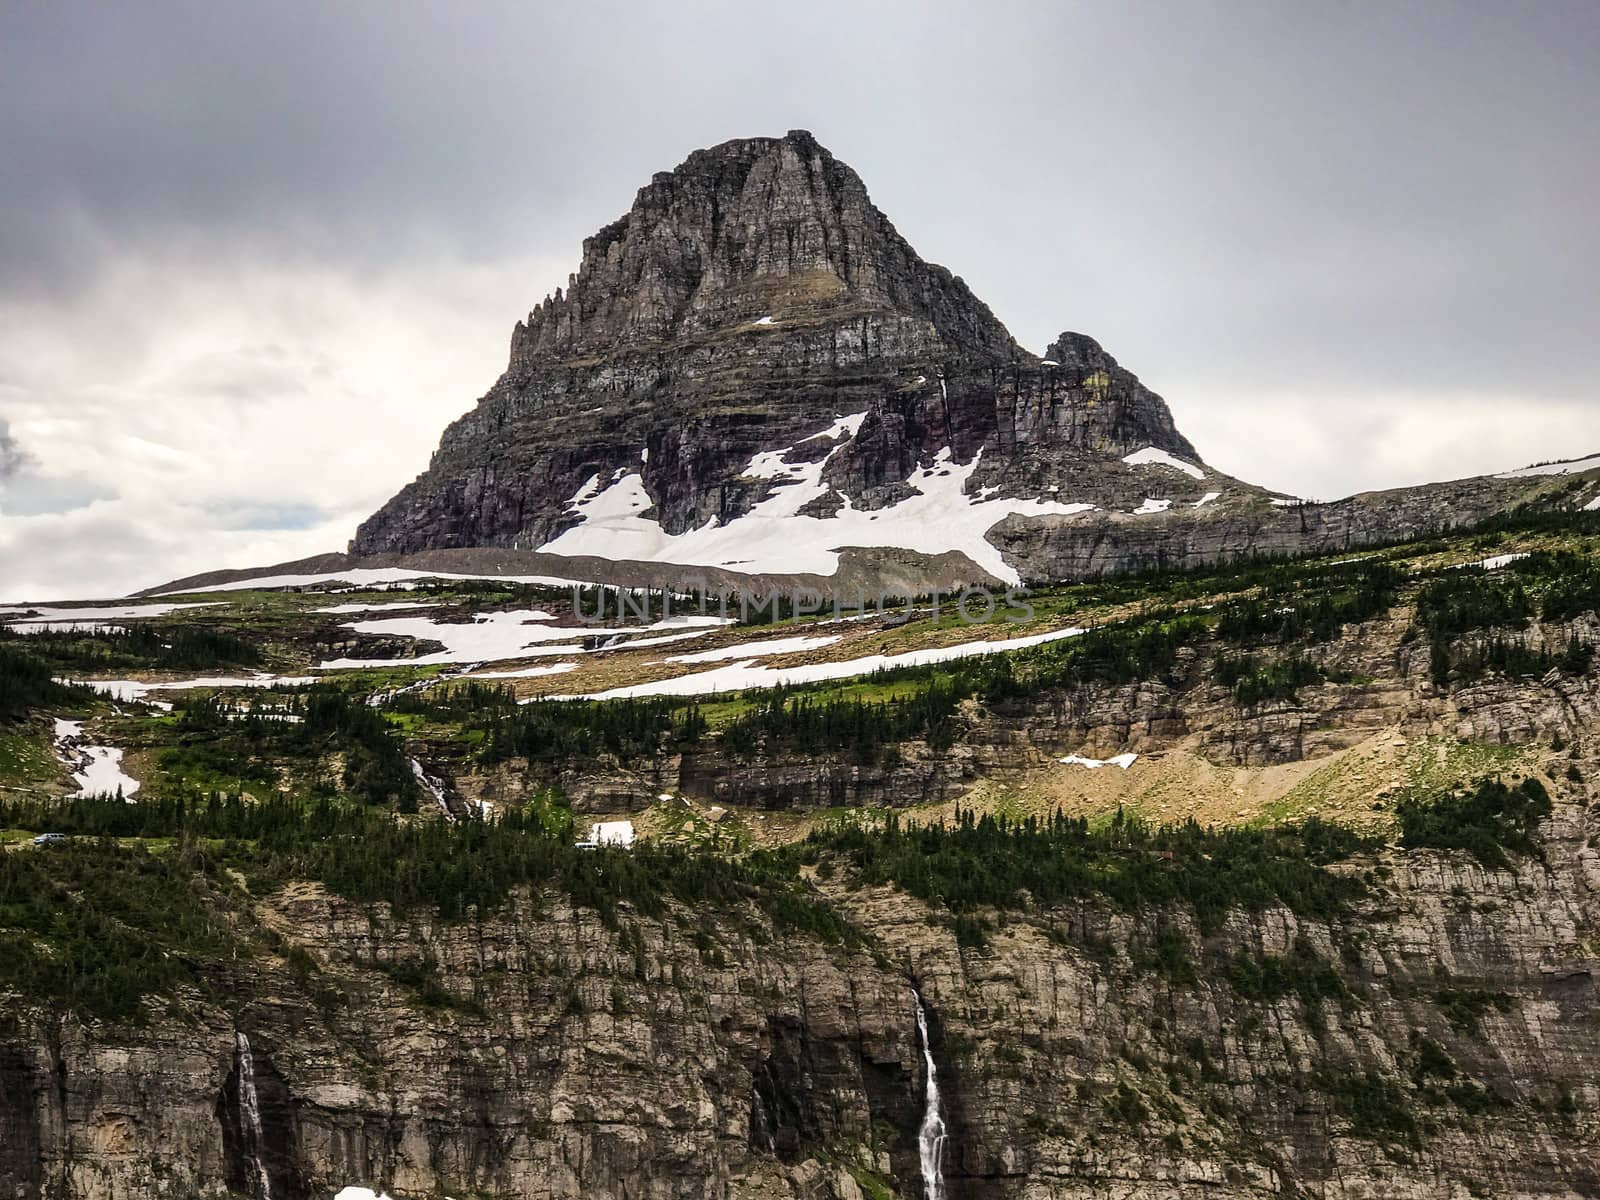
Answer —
196 409
1324 446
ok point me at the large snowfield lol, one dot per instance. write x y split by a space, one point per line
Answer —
774 537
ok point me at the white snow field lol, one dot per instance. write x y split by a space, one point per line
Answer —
747 673
791 645
97 770
139 689
1152 506
609 833
1150 456
774 537
43 619
1498 561
496 636
1094 764
1575 467
560 668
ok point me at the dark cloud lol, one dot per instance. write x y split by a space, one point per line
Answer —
29 494
12 456
257 516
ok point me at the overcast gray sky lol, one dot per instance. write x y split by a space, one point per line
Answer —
253 260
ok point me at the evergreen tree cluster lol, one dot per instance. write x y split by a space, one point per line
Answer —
241 742
993 862
559 730
1491 820
1312 605
1473 618
27 685
1254 682
144 646
785 720
1573 588
95 925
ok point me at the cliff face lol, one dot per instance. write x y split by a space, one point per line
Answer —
698 1057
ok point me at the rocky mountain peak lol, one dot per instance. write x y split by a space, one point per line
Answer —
753 371
752 229
1087 366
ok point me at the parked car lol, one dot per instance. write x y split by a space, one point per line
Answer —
45 839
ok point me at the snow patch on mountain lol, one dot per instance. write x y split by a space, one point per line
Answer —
66 618
1153 456
793 645
490 637
774 537
1094 764
1574 467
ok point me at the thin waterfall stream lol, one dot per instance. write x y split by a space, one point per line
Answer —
931 1136
250 1115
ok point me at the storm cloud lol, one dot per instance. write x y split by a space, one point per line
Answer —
252 260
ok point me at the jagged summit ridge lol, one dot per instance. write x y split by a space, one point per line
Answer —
733 234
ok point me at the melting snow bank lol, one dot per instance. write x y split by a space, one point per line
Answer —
97 770
522 673
1151 456
1207 498
1117 760
36 618
609 833
360 1193
1495 563
135 690
492 637
1152 506
777 646
774 537
739 676
1560 468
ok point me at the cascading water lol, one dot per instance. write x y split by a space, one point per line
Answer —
761 1133
931 1136
250 1115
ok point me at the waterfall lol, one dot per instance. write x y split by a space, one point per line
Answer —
931 1136
250 1115
434 787
760 1122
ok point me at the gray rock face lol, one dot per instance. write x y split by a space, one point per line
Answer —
745 301
577 1065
